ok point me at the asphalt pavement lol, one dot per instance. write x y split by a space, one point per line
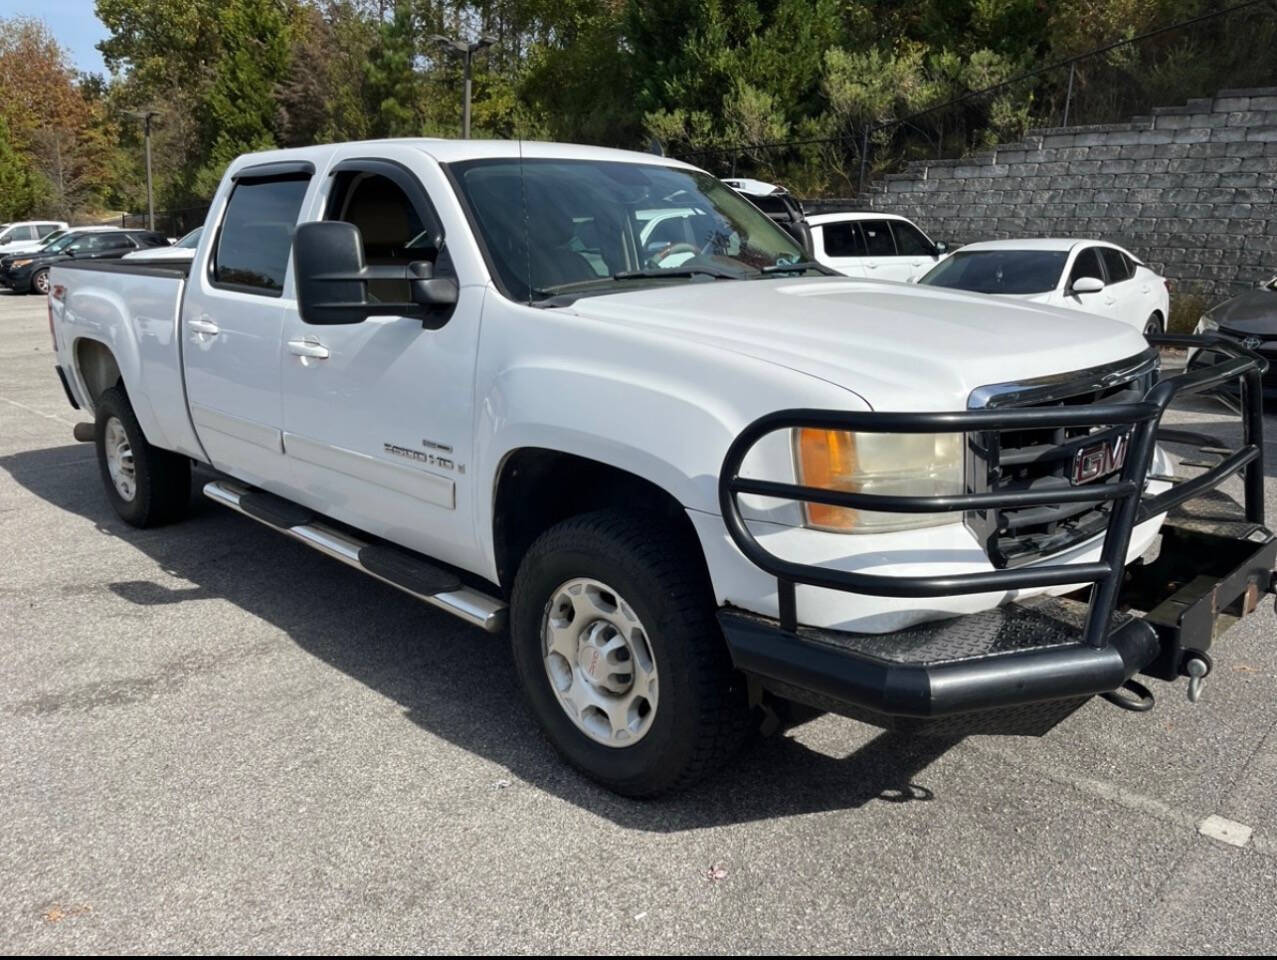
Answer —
213 739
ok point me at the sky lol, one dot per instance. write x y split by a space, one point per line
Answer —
73 22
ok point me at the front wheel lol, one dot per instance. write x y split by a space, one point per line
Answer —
40 282
620 655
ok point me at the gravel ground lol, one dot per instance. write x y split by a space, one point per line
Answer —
217 740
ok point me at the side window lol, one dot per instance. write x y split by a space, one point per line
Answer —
1087 264
395 230
256 236
1118 267
45 229
909 240
115 241
878 242
843 239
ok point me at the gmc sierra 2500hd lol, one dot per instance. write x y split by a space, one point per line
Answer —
599 396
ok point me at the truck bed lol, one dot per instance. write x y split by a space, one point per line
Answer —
133 310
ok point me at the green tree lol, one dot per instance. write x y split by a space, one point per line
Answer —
18 194
393 87
239 111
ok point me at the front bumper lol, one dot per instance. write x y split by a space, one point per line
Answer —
987 667
1022 666
19 280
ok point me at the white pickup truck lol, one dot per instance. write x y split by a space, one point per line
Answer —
599 397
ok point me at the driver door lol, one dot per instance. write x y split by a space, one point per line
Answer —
378 415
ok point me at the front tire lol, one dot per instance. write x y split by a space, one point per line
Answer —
40 282
620 656
146 486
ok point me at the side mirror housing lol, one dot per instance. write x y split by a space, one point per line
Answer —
941 248
332 280
1086 285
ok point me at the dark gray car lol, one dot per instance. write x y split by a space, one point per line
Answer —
1252 319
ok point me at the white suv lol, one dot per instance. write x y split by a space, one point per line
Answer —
27 235
880 246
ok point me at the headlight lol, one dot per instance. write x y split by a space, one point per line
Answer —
19 263
1205 325
901 464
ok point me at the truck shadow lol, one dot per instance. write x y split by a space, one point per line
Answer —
426 661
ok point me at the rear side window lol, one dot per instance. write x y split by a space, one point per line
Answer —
843 239
256 235
1119 267
878 242
909 240
45 229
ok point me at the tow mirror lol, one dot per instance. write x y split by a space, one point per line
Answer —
333 279
1086 285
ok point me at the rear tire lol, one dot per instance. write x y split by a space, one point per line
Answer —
146 486
1153 326
625 600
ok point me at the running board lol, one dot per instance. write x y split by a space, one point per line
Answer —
399 568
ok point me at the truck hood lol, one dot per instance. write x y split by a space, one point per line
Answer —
899 346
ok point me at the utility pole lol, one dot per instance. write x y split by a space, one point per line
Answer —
466 50
146 116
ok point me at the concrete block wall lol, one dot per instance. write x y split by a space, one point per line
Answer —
1190 189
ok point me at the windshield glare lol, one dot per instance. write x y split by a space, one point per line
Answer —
62 242
999 271
589 221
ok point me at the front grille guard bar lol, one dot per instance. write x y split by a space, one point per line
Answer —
1129 507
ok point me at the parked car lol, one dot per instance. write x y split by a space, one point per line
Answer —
880 246
26 235
1250 318
183 249
1089 275
29 273
779 204
691 490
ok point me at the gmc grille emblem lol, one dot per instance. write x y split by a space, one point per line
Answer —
1100 459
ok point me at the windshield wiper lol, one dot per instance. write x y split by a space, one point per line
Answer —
799 266
656 273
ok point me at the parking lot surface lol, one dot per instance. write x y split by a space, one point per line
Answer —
215 739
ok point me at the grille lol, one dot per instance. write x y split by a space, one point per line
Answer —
1014 460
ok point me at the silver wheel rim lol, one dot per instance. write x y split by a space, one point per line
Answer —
41 281
119 459
599 662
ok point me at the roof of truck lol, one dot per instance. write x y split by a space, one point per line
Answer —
452 151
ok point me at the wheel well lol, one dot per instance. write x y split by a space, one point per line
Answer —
538 488
98 369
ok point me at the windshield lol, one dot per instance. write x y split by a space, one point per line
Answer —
580 227
999 271
191 240
48 241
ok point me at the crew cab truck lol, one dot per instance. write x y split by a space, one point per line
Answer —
696 483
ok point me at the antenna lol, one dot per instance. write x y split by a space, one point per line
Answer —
527 234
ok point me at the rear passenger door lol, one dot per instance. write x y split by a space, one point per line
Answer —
232 322
841 245
880 251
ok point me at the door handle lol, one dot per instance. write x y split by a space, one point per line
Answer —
205 327
308 348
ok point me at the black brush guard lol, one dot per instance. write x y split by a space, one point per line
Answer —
999 663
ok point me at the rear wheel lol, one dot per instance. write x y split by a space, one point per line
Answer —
40 281
620 655
146 486
1153 327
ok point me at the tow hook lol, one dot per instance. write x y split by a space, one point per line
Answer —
1140 701
1196 666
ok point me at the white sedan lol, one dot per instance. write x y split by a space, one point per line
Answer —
1088 275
